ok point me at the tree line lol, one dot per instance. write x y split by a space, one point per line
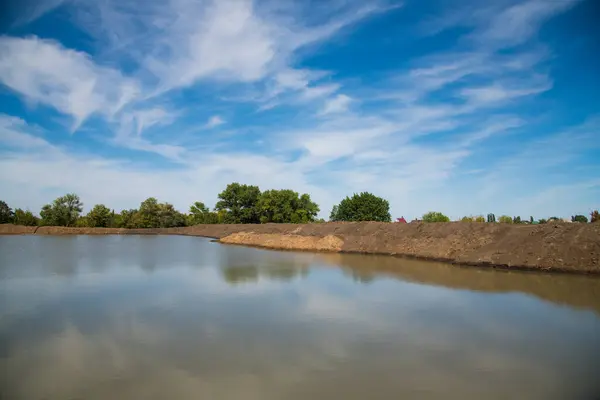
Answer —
237 204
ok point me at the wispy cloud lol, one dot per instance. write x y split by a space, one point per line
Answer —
155 81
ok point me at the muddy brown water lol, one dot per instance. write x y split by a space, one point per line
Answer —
157 317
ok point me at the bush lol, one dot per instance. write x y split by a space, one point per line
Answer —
505 219
595 216
434 216
479 218
579 218
362 207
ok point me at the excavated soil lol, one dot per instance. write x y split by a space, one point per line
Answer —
557 247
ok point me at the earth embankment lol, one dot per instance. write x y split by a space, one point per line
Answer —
558 247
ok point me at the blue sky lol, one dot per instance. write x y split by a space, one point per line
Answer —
465 107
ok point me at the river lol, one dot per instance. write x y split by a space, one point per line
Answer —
174 317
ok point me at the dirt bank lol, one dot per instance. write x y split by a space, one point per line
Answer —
559 247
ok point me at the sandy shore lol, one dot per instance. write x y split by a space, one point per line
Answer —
559 247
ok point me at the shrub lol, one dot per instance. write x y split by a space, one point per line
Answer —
579 218
479 218
595 216
505 219
434 216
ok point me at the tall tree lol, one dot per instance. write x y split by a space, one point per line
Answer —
6 213
286 206
363 207
148 214
169 217
99 217
63 211
239 203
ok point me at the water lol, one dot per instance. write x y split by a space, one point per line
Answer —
184 318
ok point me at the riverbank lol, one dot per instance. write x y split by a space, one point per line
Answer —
557 247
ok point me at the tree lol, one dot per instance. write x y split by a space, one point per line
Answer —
99 217
516 220
363 207
594 216
148 214
479 218
63 211
25 218
434 216
199 214
334 213
579 218
239 202
542 221
286 206
505 219
6 213
125 219
491 218
169 217
466 219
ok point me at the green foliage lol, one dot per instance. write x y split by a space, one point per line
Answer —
542 221
466 219
334 212
505 219
579 218
169 217
148 214
434 216
63 211
531 220
6 213
25 218
125 219
286 206
491 218
200 214
239 202
99 217
516 220
362 207
82 222
594 216
479 218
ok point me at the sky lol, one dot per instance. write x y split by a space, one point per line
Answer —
466 107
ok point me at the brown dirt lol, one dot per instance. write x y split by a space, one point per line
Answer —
556 247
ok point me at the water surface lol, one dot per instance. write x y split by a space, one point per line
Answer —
166 317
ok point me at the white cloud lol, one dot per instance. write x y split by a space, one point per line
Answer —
338 104
214 121
66 80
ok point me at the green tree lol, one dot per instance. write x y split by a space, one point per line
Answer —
479 218
334 213
239 202
25 218
148 214
6 213
579 218
169 217
286 206
125 219
516 220
63 211
363 207
434 216
491 218
505 219
99 217
200 214
542 221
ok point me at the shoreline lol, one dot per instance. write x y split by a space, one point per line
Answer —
558 247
